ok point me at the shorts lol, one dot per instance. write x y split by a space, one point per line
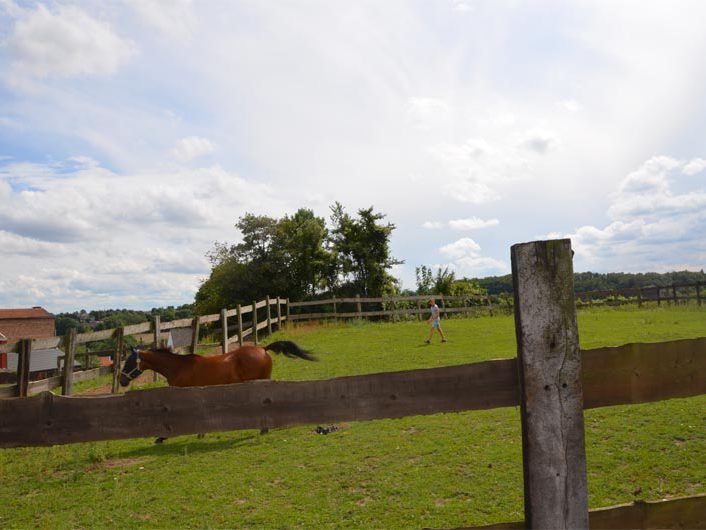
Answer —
435 324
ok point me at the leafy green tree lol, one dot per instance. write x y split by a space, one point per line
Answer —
362 249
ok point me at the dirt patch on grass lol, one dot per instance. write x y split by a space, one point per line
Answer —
118 462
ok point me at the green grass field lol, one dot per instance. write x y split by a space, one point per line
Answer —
446 470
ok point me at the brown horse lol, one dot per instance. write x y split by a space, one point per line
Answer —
242 364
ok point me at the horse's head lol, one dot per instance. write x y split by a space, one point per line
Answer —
131 368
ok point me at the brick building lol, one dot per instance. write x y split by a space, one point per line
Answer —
32 323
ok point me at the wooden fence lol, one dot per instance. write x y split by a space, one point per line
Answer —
229 320
551 380
416 306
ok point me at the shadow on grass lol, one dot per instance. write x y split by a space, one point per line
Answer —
189 445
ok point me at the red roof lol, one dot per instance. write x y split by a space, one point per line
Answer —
34 312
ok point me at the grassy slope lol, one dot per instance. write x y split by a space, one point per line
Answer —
446 470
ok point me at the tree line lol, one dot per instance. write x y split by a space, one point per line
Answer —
595 281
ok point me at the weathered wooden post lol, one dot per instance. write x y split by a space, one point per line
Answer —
639 296
117 359
674 294
224 331
549 364
269 315
23 366
239 313
358 307
156 330
335 312
287 313
69 354
698 293
419 310
195 324
279 313
659 296
254 321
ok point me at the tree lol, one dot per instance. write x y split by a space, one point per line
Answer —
362 250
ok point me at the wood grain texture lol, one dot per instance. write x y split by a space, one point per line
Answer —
549 366
48 419
682 512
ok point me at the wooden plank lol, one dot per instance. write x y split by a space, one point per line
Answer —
8 391
640 373
682 512
260 304
46 343
549 365
254 320
224 331
44 385
195 334
48 419
85 375
239 314
269 316
137 329
117 359
173 324
105 334
23 364
206 319
69 356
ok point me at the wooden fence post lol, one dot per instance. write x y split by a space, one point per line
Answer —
549 364
419 310
195 324
117 358
23 366
335 311
156 332
358 307
224 331
239 313
279 313
269 315
254 321
639 296
287 313
69 354
674 294
698 293
659 296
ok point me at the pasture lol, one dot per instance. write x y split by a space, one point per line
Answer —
446 470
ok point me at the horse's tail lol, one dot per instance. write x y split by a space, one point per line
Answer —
290 349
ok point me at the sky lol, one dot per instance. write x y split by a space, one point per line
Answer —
135 133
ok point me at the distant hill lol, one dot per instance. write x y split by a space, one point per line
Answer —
595 281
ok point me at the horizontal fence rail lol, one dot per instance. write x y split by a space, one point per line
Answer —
634 373
682 512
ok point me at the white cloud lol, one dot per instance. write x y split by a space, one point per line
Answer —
171 17
64 43
569 105
461 248
696 165
192 147
650 223
473 223
466 258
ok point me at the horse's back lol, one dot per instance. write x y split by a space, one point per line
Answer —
252 362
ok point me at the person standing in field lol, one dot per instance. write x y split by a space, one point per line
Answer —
435 321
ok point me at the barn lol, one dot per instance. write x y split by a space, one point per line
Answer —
29 323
